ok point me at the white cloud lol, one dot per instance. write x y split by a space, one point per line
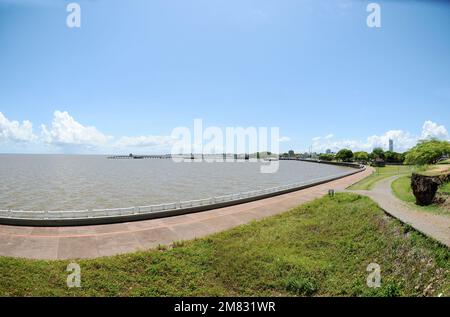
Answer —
144 141
66 131
433 130
14 131
284 139
403 140
327 137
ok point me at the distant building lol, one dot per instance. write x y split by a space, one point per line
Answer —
291 153
391 145
328 151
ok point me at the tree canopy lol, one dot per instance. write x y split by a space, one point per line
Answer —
427 152
378 153
394 157
326 157
344 155
361 156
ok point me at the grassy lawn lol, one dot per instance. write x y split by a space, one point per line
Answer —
435 170
401 188
445 188
381 173
320 248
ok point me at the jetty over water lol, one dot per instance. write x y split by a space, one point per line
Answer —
139 157
193 156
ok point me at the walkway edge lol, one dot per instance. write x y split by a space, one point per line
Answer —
160 214
435 227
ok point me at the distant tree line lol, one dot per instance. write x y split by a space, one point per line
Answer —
425 152
378 154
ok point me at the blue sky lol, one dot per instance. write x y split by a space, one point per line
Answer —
138 69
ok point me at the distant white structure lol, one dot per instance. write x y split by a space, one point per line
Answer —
391 145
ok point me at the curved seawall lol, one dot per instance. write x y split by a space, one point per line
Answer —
117 215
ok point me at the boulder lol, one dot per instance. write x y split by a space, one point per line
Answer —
425 187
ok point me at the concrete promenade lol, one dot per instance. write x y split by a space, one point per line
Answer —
53 243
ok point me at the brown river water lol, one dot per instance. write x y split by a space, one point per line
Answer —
75 182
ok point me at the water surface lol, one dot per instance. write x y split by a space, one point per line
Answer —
70 182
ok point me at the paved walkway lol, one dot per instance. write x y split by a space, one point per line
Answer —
432 225
112 239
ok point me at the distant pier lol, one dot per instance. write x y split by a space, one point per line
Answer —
193 156
139 157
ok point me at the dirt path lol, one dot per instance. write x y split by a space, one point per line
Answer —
432 225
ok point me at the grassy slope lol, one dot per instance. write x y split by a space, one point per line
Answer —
401 188
381 173
320 248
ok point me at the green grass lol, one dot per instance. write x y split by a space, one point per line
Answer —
445 188
381 173
318 249
401 188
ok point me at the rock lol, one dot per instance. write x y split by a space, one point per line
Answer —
425 187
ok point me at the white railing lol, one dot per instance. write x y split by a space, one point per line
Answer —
117 212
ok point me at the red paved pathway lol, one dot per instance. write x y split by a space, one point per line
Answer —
105 240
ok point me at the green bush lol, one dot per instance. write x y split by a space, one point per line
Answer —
326 157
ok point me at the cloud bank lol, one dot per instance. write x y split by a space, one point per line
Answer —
66 131
403 140
14 131
67 134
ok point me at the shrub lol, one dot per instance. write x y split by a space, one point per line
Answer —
326 157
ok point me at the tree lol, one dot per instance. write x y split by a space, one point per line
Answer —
361 156
344 155
394 157
326 157
378 153
427 152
